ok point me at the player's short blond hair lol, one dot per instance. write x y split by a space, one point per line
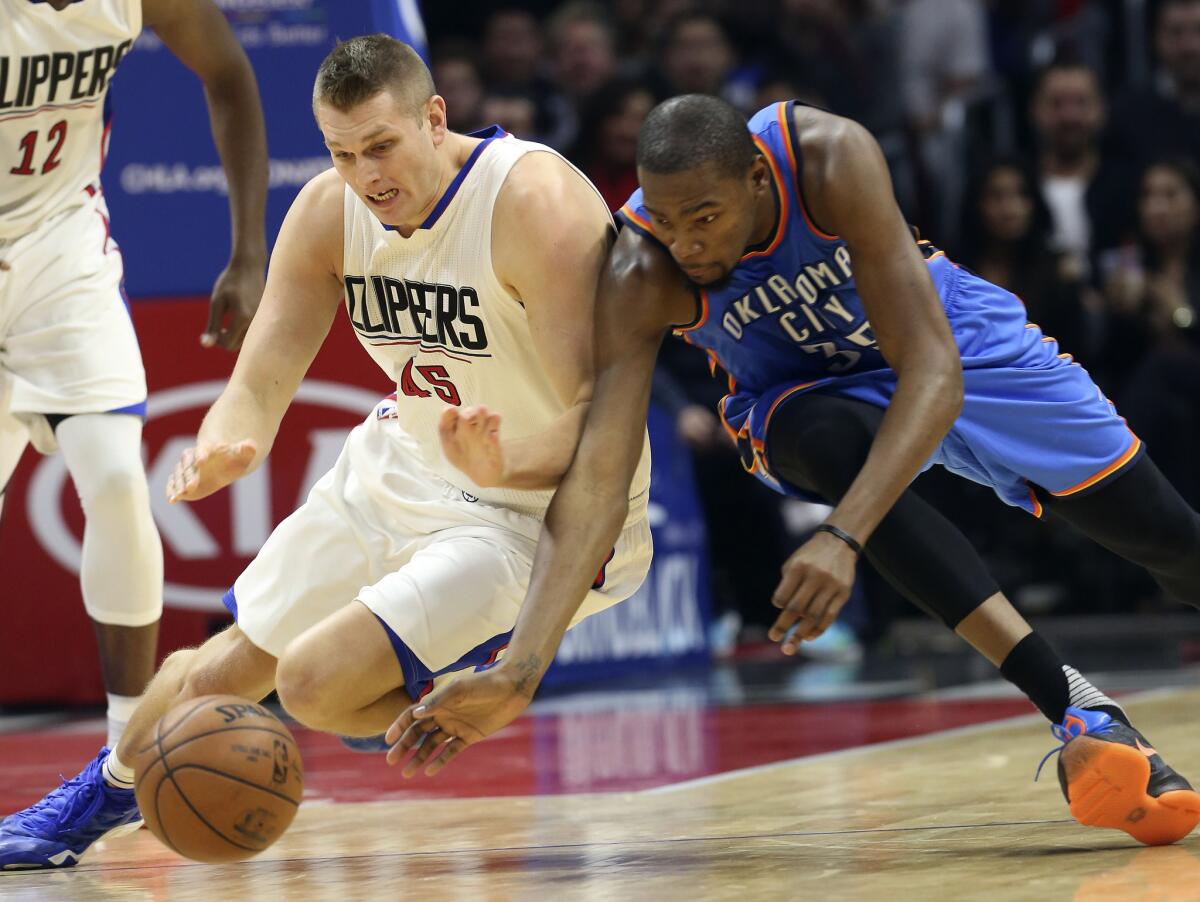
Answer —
358 69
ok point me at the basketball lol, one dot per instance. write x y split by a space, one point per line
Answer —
222 779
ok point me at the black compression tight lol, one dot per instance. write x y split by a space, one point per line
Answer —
820 442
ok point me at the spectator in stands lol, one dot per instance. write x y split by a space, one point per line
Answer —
1005 238
516 113
698 58
513 62
607 144
943 62
1156 296
457 77
1088 205
583 52
1164 117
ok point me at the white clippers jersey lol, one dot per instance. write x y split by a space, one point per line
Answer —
431 312
54 73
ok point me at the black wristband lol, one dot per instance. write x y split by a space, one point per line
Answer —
841 534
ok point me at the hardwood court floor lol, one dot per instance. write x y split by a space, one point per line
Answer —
947 816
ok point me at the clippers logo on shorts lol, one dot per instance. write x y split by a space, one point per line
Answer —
403 311
31 82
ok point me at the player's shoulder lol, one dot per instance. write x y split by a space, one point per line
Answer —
322 197
316 216
544 191
823 138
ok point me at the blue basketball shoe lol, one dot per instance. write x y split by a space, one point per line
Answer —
55 832
1112 777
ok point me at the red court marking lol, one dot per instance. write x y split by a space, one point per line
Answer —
638 746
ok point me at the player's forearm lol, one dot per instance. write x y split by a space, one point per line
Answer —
240 414
540 461
581 527
239 133
926 403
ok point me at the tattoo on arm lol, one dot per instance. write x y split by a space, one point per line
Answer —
529 671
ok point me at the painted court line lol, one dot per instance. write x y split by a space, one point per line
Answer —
1019 720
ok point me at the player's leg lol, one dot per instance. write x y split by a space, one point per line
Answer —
458 596
1107 778
820 442
343 675
122 566
311 564
1139 515
99 801
1111 772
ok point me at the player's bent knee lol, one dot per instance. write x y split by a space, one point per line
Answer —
120 490
299 682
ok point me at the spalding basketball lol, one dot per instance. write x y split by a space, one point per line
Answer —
222 779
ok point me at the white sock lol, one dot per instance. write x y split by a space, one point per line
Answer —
116 773
120 709
1083 694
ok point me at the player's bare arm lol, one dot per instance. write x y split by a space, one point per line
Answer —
550 235
197 33
641 295
302 295
849 193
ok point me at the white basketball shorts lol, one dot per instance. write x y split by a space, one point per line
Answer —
445 574
67 343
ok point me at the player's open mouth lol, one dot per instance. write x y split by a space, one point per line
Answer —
384 197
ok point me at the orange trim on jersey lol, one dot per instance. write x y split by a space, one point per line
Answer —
787 394
1037 505
781 189
785 123
638 219
1133 449
935 255
700 320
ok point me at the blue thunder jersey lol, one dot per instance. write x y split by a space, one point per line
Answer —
789 319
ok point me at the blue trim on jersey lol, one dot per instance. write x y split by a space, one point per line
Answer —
489 134
230 602
138 409
418 678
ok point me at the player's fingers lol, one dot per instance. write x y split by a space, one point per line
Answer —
451 749
410 739
492 424
226 338
216 313
243 452
830 616
448 423
796 607
429 743
808 626
792 576
399 725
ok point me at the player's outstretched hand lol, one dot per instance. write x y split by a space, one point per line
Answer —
816 583
449 719
205 469
471 442
235 297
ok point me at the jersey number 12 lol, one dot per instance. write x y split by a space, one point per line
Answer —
57 134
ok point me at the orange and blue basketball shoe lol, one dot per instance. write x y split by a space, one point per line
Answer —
55 832
1112 777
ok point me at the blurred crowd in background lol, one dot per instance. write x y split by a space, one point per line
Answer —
1053 146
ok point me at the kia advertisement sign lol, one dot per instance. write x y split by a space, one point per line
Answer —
47 647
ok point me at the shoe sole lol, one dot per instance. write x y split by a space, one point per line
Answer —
1106 785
